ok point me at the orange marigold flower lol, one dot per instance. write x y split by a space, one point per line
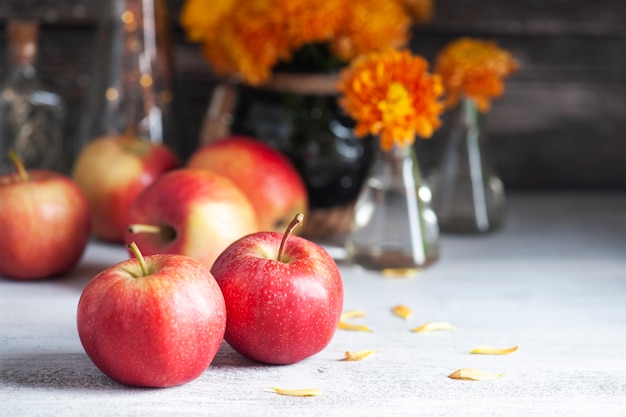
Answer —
371 25
393 95
474 68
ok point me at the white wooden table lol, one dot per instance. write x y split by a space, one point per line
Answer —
553 282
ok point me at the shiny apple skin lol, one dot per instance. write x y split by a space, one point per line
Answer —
44 225
279 312
159 330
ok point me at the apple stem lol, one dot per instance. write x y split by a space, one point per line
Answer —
142 262
297 221
19 165
166 232
144 228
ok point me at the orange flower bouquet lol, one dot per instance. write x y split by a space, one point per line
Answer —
251 38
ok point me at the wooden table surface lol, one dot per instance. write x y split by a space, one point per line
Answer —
552 281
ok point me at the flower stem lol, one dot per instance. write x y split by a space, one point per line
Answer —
297 221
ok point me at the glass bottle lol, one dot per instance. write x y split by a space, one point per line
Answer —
131 89
468 196
394 226
31 115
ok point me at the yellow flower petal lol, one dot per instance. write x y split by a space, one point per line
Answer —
400 272
299 392
488 350
357 356
433 326
402 311
471 374
355 327
351 314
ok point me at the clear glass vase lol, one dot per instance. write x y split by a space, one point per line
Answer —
394 225
468 196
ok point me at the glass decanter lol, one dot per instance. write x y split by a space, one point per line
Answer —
31 115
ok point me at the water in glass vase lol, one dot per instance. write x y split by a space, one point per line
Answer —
394 226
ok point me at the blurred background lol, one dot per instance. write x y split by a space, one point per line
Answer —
561 123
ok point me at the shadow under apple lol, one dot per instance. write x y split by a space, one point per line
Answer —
227 357
81 274
54 371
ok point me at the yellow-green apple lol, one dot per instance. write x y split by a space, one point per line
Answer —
44 223
283 294
156 321
268 178
190 212
112 171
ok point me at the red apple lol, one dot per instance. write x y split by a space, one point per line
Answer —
283 295
44 224
112 171
270 181
190 212
153 322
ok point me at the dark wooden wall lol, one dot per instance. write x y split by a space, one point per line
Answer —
561 123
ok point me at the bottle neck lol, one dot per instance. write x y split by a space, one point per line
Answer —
23 73
469 113
22 35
